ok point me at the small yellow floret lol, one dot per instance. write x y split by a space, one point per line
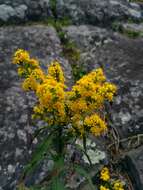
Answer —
103 188
105 175
96 124
118 185
56 72
21 56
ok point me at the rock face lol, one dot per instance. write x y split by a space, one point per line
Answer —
98 12
81 11
23 10
133 165
15 105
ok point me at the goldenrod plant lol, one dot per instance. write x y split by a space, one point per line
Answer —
68 114
108 182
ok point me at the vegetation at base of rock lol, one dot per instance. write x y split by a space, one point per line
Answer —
70 50
53 4
78 71
131 33
67 114
109 182
126 31
138 1
58 24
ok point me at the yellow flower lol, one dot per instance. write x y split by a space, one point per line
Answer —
21 56
34 63
118 185
108 90
103 188
29 83
56 72
104 174
95 124
21 71
38 74
80 107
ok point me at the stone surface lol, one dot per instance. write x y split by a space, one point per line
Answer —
81 11
17 11
133 27
133 165
15 105
97 11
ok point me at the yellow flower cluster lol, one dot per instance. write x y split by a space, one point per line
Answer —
21 56
103 188
95 124
118 185
104 174
81 107
51 96
86 99
49 89
56 72
108 181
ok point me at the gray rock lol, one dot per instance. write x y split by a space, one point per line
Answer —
6 12
135 14
20 11
23 10
11 169
88 38
98 12
133 163
81 11
133 27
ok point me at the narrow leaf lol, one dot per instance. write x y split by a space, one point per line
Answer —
57 184
38 155
84 173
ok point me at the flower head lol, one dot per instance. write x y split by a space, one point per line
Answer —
56 72
95 124
81 107
103 188
105 175
118 185
21 56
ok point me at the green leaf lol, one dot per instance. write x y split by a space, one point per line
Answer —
85 174
22 187
59 162
57 184
38 155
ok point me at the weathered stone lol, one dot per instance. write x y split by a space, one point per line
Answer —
81 11
133 163
6 12
98 12
20 11
133 28
15 11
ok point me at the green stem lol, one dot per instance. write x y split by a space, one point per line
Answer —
60 141
85 149
84 143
